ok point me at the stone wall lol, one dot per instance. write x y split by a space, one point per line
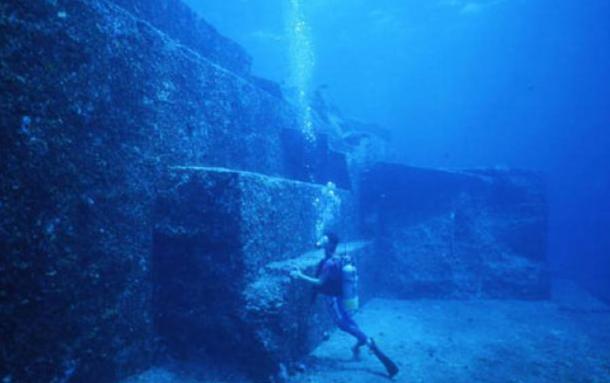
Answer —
470 234
95 104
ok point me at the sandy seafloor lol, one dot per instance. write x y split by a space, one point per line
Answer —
566 339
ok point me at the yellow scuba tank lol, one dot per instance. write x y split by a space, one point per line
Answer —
349 286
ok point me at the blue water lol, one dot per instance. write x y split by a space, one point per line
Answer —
459 83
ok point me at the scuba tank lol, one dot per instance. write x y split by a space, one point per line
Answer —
349 286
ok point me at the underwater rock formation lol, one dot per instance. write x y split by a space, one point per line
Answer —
314 162
225 242
183 25
95 104
457 234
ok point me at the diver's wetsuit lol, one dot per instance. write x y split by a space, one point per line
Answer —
329 271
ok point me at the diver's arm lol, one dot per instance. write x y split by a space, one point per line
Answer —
312 280
297 274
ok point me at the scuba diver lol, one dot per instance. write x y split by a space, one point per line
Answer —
336 277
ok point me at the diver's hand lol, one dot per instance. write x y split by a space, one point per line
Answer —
295 273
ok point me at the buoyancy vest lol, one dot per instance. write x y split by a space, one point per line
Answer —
330 270
341 280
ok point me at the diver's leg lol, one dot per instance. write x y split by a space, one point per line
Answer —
350 324
352 328
345 322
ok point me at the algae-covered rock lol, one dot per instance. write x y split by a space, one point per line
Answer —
95 103
225 242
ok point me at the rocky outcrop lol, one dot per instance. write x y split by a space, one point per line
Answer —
179 22
314 162
95 104
225 242
457 234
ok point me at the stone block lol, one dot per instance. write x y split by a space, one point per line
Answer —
313 161
457 234
181 23
224 244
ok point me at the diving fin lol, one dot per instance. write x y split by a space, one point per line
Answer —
390 366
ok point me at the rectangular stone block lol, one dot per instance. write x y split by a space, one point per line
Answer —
450 234
223 246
